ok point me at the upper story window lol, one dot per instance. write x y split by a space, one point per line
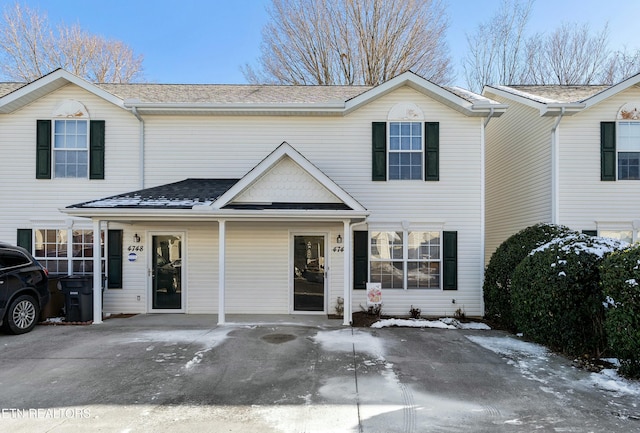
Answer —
405 150
628 150
70 145
71 148
405 147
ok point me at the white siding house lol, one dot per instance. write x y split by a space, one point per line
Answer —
250 199
566 155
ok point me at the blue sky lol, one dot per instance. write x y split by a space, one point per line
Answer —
207 41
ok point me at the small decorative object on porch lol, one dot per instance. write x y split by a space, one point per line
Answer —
374 294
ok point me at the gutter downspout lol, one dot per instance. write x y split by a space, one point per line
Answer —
483 205
347 312
134 111
555 171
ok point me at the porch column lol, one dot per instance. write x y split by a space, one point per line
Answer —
221 269
97 273
346 236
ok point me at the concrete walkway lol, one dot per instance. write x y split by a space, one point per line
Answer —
182 373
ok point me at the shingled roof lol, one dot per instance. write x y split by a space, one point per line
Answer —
179 195
237 93
556 93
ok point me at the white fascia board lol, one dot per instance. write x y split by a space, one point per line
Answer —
427 88
285 149
517 97
613 90
204 213
546 109
47 84
568 109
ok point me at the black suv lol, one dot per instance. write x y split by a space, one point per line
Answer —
24 289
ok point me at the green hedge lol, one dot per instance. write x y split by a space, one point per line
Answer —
497 277
556 296
620 276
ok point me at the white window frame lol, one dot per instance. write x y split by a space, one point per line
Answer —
59 150
623 147
67 234
405 151
405 257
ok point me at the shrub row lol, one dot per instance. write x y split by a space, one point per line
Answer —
499 272
620 277
575 293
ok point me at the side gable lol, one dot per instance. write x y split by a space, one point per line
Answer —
463 101
49 83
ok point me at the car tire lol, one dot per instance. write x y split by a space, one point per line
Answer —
22 315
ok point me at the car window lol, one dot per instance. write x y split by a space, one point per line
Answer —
12 259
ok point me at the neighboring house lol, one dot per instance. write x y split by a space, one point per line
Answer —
250 199
566 155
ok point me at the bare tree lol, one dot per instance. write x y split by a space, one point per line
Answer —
620 66
570 55
30 48
352 42
496 48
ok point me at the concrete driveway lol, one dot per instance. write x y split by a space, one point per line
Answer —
179 373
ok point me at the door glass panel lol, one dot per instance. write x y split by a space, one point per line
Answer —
166 269
308 273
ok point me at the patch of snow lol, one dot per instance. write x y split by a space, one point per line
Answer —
579 243
443 323
55 320
610 380
510 347
562 274
632 282
204 337
346 340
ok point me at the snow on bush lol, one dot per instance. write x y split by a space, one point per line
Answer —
619 274
556 294
499 272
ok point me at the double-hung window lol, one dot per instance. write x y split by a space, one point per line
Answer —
71 148
405 259
628 148
405 150
66 252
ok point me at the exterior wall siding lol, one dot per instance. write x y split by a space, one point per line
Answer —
258 262
518 167
584 199
27 202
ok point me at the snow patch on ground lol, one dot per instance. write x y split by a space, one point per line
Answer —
350 339
444 323
529 358
207 338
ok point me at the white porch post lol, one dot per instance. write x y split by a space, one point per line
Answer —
346 236
221 269
97 273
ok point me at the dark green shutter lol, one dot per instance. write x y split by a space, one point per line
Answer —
24 239
96 149
431 151
360 259
590 232
43 149
114 259
608 151
450 260
379 151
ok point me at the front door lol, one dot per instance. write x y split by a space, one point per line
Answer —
308 273
166 272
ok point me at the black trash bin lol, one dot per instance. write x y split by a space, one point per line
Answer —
78 297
